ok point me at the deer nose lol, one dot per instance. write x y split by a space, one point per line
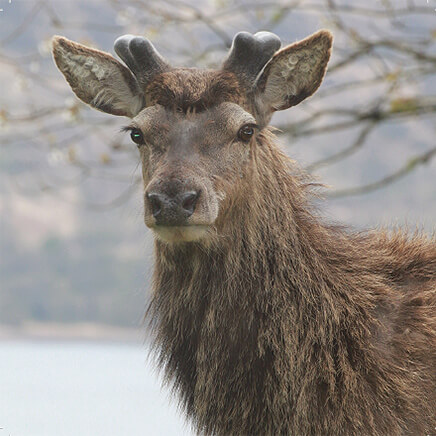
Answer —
172 210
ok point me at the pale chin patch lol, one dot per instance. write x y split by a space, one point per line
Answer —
180 234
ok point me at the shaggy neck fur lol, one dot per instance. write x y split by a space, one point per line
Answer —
283 325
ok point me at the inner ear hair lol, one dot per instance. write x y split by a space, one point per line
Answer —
97 78
295 72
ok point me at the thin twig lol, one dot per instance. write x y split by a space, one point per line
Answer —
357 144
370 187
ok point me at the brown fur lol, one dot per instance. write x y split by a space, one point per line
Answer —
192 88
284 325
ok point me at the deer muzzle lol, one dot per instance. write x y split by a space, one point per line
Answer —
179 210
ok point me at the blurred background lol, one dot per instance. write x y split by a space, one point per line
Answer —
75 256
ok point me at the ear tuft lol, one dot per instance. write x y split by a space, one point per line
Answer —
295 72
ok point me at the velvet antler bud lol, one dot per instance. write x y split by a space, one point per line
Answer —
249 54
141 57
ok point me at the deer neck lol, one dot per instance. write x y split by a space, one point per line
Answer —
268 258
227 315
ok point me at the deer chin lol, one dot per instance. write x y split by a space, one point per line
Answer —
174 234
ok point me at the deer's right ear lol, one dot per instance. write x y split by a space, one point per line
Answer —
98 79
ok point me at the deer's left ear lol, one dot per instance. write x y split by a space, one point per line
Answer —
294 73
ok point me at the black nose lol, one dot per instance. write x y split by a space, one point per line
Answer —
172 210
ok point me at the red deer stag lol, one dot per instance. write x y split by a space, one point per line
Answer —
267 320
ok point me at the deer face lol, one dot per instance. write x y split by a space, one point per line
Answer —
194 141
185 163
195 129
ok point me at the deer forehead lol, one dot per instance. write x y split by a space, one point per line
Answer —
161 121
194 88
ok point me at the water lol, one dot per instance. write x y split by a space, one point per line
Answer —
80 389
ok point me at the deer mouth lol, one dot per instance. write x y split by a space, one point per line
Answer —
186 233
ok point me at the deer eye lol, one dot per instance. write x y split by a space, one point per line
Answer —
137 136
246 132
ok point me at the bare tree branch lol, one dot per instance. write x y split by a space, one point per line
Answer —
356 145
402 172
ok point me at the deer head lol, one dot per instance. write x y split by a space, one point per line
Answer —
197 130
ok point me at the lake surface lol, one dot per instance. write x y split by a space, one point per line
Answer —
83 388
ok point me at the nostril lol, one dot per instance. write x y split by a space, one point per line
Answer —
189 201
155 202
